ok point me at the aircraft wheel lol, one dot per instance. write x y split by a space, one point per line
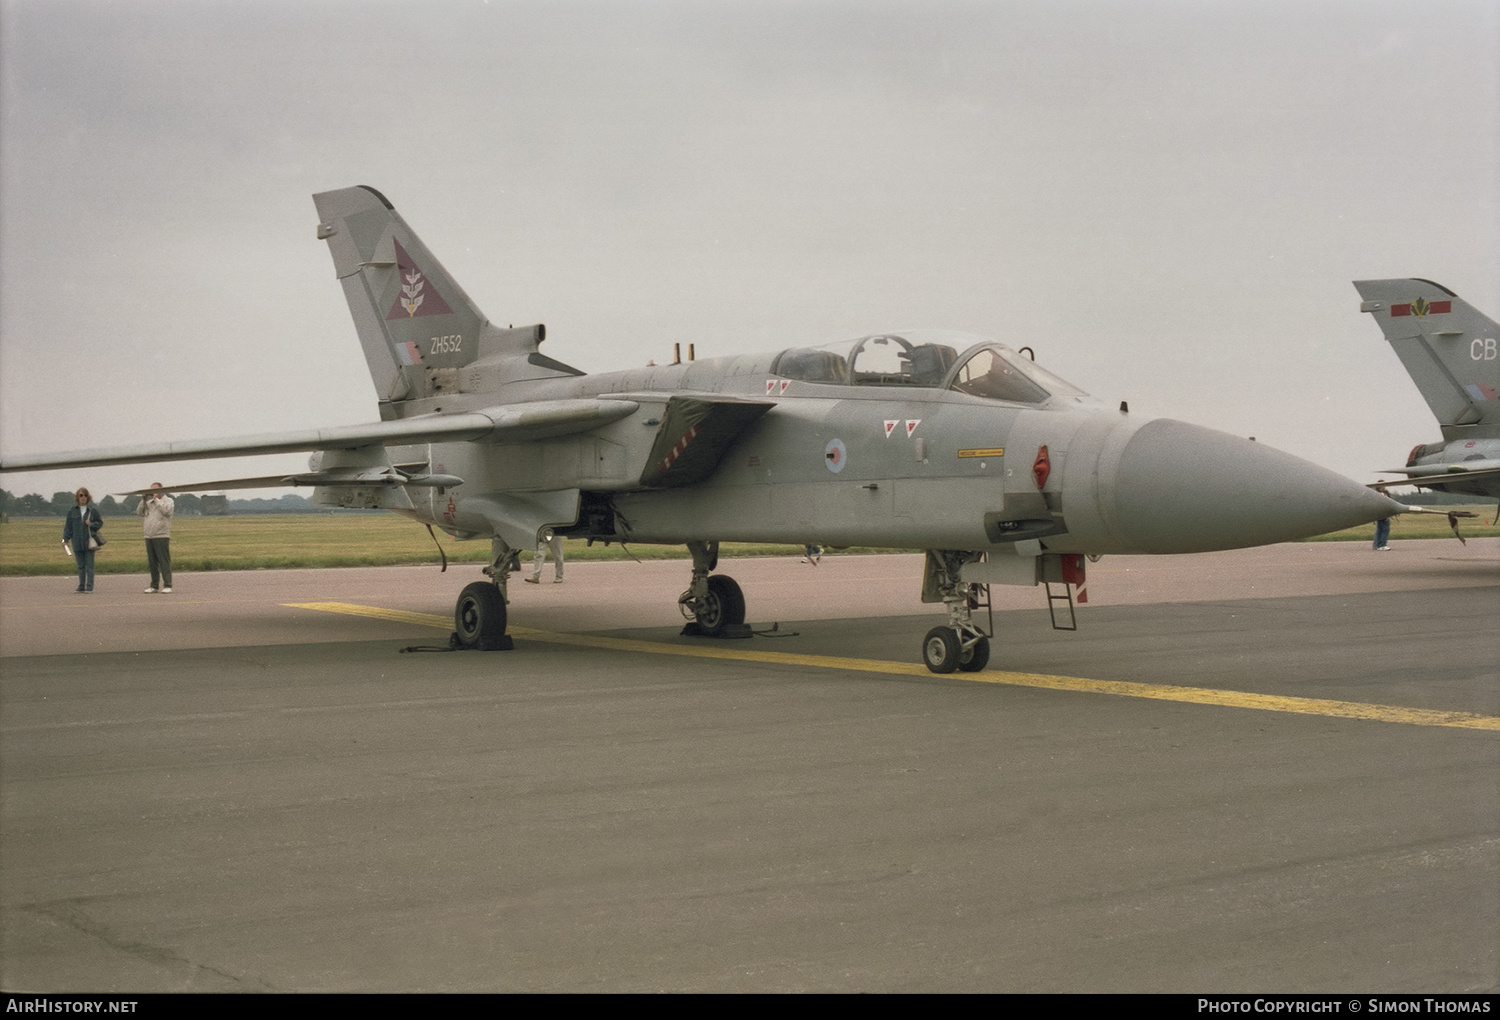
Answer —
941 650
976 658
479 618
724 606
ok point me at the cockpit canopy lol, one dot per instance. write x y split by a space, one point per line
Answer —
928 358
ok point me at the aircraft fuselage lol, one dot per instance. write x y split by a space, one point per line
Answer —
898 466
1456 459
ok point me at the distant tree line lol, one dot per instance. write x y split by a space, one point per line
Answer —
186 504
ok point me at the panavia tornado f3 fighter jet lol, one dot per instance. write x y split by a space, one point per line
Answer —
951 443
1448 349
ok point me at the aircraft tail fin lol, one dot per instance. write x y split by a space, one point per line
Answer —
1447 345
422 335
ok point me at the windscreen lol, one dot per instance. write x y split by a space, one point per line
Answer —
999 373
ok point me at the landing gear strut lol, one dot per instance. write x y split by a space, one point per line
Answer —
714 606
479 616
961 644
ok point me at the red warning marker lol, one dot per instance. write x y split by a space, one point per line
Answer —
1073 573
1041 467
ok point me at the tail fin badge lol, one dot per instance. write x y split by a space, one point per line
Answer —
418 296
1421 307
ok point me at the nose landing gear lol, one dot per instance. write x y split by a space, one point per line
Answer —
946 649
961 645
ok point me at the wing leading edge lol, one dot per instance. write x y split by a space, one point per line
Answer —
498 425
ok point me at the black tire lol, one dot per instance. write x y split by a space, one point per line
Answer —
941 650
479 617
724 606
976 658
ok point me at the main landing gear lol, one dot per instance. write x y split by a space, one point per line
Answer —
479 615
713 604
961 645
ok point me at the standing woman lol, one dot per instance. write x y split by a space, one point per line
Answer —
82 530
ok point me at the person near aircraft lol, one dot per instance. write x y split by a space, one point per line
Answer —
81 536
553 542
812 554
1383 535
156 508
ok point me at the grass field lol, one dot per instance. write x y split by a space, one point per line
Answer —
34 546
1413 526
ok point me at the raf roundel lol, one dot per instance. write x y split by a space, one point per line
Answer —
835 455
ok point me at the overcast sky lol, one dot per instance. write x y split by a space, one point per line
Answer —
1168 201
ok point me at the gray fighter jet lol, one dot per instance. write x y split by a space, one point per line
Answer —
941 441
1449 350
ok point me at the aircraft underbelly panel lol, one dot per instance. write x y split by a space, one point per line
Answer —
801 512
561 462
722 513
604 463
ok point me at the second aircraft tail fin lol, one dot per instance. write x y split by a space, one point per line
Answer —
1446 344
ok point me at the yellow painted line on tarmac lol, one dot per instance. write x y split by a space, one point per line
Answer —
1159 692
375 612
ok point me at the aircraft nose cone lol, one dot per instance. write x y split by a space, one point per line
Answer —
1182 488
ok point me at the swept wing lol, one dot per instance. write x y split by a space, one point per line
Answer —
1445 475
497 425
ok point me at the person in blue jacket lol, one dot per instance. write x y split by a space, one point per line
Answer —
83 524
